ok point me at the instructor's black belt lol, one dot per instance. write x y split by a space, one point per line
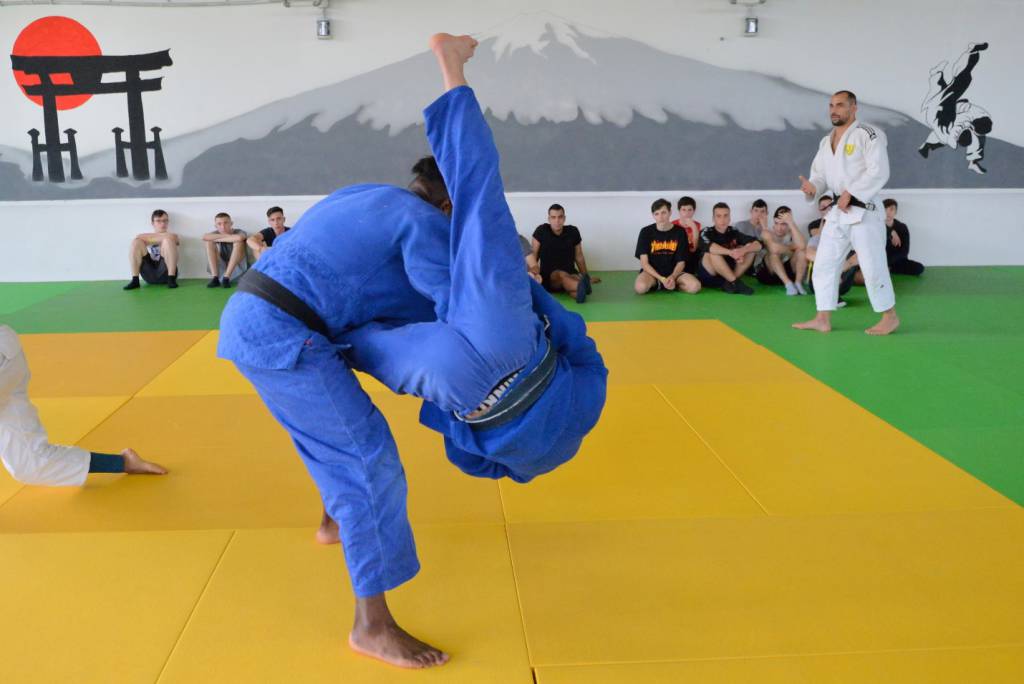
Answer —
273 292
854 202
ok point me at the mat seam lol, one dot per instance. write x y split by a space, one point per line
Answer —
195 607
515 579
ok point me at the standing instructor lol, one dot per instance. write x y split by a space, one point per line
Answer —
852 164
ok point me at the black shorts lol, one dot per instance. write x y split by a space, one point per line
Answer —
766 276
708 280
153 271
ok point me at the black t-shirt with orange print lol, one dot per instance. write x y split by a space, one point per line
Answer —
664 248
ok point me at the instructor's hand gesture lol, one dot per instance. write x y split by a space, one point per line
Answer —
807 187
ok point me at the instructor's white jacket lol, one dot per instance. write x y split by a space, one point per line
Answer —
860 164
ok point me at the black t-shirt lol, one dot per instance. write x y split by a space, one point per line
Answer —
730 239
664 248
269 235
892 252
557 252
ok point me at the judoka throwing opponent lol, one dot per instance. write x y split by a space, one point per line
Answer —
853 165
25 448
425 290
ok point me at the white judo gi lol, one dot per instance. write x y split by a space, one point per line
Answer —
860 166
24 447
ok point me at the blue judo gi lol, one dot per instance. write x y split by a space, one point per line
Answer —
437 308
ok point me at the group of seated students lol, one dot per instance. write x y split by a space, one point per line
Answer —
683 256
153 256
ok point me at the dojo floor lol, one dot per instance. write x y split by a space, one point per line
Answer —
732 519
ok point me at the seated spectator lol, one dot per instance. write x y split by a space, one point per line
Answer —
786 260
814 227
850 268
687 206
225 250
662 248
264 240
154 255
558 248
532 265
758 220
728 254
897 249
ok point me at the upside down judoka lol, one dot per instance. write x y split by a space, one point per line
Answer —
379 279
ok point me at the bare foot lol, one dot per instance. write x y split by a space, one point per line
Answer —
328 532
395 646
888 324
815 324
134 465
452 53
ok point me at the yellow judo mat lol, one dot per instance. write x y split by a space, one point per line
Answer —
723 523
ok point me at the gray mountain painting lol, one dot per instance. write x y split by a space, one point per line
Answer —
571 110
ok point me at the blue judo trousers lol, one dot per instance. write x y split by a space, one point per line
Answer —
434 307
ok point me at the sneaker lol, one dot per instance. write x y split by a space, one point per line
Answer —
800 289
791 290
583 289
172 281
846 281
841 303
214 282
133 284
742 288
225 282
729 287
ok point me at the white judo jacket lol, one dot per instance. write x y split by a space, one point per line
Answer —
25 449
860 165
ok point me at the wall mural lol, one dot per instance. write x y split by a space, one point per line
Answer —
568 111
955 120
58 64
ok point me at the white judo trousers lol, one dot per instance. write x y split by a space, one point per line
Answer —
858 165
25 449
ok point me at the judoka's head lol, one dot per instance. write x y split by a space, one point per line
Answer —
661 210
428 183
159 220
891 206
842 108
222 223
556 218
721 216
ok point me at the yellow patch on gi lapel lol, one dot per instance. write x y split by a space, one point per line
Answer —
849 149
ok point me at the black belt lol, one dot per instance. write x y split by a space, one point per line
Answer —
522 396
854 202
273 292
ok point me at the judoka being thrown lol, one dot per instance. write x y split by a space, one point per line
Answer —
425 290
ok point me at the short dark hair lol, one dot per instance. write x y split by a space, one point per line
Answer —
556 207
157 213
826 197
890 203
661 203
274 210
783 209
849 95
222 214
759 204
428 183
686 201
719 205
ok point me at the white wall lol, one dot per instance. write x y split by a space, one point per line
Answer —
88 239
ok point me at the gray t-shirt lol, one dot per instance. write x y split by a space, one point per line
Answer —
747 228
224 251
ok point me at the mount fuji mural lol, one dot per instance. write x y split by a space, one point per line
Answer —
571 109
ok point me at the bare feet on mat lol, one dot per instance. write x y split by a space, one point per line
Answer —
452 53
819 323
888 324
328 532
377 635
134 465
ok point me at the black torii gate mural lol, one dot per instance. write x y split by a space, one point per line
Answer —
64 76
86 75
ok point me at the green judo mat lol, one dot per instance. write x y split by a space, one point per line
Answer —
952 377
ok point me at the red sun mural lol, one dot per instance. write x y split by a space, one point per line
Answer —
54 37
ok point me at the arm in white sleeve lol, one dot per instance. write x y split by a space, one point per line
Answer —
876 173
